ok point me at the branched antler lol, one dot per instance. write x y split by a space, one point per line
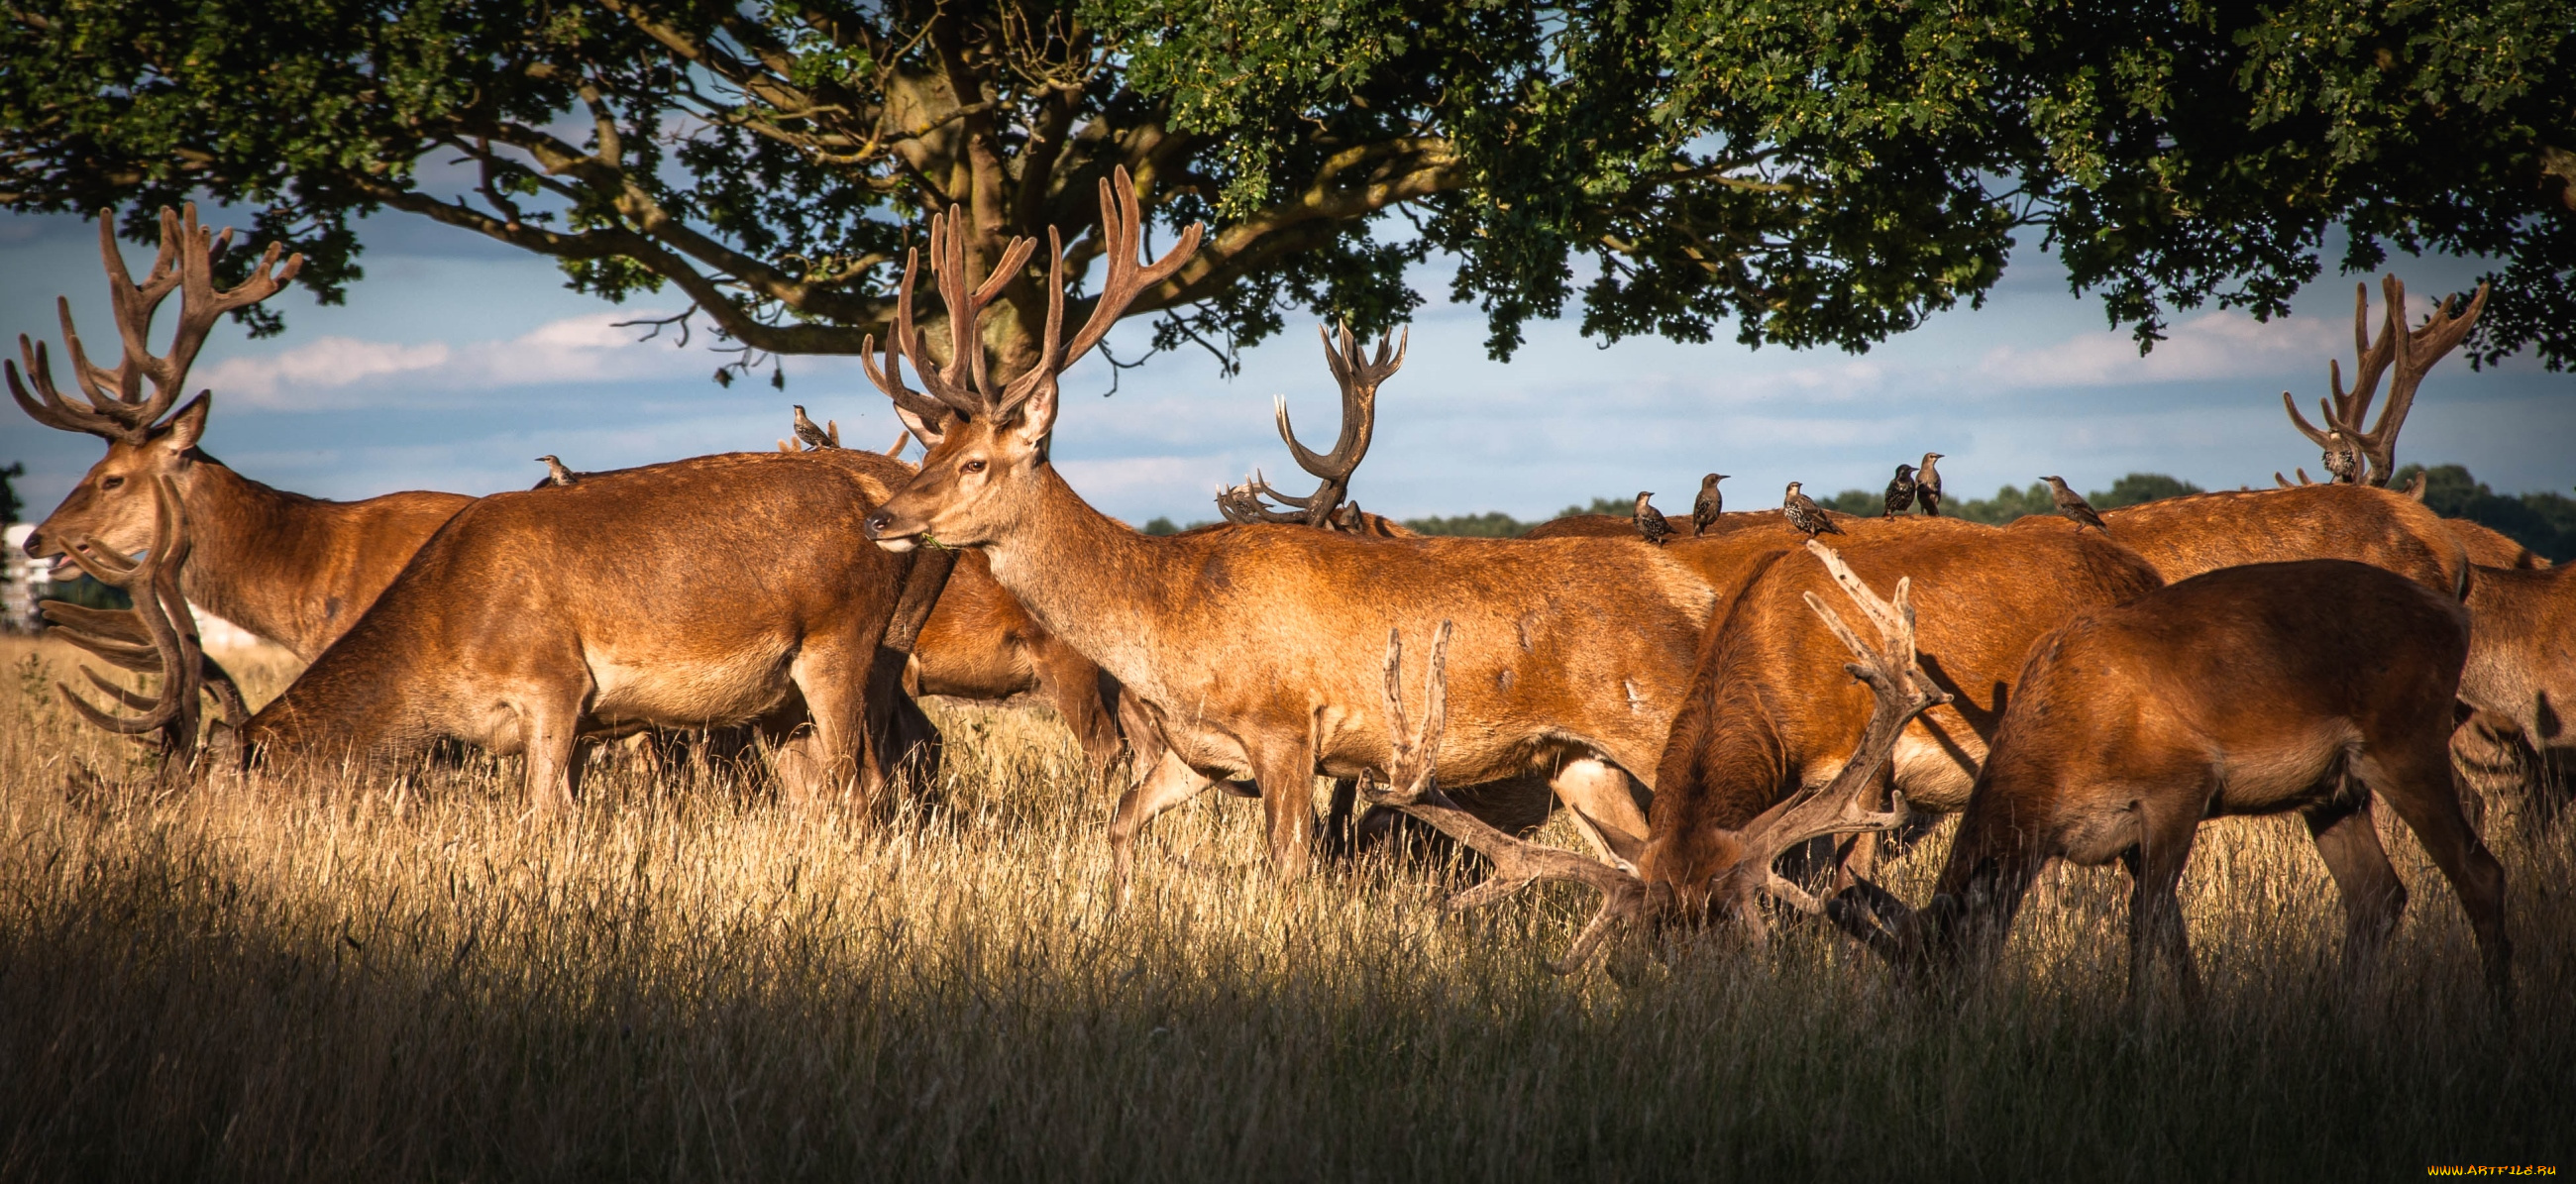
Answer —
2411 352
158 636
115 406
1412 787
1358 376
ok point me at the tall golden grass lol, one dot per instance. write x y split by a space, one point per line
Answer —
378 978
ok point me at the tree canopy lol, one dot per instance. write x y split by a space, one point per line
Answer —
1811 171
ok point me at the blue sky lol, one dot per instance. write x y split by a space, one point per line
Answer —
456 361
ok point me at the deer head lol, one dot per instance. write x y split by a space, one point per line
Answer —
986 438
114 506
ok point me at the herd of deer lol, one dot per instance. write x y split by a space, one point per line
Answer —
1699 708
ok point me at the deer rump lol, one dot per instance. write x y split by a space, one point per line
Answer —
717 590
1771 708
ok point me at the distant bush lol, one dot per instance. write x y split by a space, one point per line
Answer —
2544 522
1496 525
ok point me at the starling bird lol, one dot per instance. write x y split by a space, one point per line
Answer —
2072 505
1711 503
1927 486
2342 459
1650 522
1900 492
814 437
556 473
1804 514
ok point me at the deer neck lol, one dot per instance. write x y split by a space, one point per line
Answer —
258 557
1107 590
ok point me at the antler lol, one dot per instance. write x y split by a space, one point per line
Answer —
2413 353
1412 787
964 387
161 617
1903 691
1359 377
115 406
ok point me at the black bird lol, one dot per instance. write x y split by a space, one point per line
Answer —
1900 492
1711 503
2073 505
1650 522
556 473
814 437
1804 514
1927 486
2342 459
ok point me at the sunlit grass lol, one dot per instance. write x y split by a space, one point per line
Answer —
364 979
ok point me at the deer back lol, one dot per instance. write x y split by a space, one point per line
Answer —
2186 536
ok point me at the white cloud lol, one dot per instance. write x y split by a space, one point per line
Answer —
2214 345
334 372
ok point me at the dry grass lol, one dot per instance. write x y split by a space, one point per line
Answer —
377 981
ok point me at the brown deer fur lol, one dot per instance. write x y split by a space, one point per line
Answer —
296 570
2251 690
1771 708
2521 673
2489 547
2185 536
701 592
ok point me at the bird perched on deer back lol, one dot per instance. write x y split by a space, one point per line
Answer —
1708 506
1804 514
1927 485
813 437
2073 505
1900 492
1650 522
556 473
2342 459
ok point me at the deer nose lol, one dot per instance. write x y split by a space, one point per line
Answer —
874 527
35 541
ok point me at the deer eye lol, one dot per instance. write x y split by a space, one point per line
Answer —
112 483
972 466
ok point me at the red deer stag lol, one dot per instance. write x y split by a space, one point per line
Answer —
294 569
1899 685
1241 641
2232 693
702 592
1770 714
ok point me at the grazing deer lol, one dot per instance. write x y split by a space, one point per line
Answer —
1770 713
2231 693
1242 641
1741 876
293 569
703 592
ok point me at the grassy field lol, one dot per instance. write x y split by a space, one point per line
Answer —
400 980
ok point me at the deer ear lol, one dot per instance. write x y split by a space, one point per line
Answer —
929 432
1035 419
182 430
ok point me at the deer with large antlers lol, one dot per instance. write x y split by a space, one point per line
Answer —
294 569
1359 376
2231 693
1897 683
2412 353
1243 640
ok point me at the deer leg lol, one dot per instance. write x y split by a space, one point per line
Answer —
824 762
2155 904
2373 897
2417 783
1286 775
551 748
1171 783
1072 685
1605 809
1340 840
